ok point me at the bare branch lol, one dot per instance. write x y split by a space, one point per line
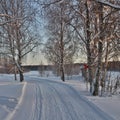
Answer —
109 4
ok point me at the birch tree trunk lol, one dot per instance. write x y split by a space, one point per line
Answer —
62 46
90 79
100 49
104 71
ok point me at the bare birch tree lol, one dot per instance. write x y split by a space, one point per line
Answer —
18 16
63 45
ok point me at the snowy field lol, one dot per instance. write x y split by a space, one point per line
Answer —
48 98
10 93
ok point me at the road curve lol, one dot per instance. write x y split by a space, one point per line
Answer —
51 100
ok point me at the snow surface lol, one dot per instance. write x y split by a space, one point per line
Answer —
108 104
48 98
10 92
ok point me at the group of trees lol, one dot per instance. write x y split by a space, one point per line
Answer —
17 35
61 45
94 24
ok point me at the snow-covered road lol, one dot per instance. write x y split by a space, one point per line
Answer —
44 99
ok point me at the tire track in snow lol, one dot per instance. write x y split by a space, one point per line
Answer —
26 110
51 109
62 102
67 108
9 117
46 103
58 101
79 105
38 104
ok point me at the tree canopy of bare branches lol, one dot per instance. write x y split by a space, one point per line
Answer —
16 26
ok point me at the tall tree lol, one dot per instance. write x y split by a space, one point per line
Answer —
63 45
18 17
100 48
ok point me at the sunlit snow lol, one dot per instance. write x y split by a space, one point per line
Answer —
48 98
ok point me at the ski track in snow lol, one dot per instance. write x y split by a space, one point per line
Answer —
52 100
